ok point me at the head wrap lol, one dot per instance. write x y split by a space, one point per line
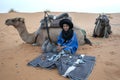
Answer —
66 21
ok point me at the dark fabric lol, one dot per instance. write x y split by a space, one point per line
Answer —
66 21
67 35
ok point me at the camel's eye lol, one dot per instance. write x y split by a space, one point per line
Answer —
19 19
13 20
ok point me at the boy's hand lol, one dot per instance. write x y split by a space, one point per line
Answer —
59 48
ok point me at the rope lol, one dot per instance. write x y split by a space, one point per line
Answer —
45 17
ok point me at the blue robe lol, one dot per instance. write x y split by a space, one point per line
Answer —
70 45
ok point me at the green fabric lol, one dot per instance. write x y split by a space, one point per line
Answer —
83 31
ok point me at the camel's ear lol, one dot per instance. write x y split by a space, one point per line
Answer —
22 20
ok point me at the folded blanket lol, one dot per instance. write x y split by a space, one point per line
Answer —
68 67
75 67
43 61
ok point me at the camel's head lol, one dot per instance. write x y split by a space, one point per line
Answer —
103 20
14 21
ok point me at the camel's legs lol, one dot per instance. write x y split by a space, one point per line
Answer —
36 35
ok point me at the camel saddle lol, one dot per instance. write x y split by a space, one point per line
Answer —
53 21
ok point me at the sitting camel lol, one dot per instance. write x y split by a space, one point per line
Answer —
34 37
102 28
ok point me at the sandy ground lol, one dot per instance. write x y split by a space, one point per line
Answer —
15 54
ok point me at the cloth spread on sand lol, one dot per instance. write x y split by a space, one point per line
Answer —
74 67
43 61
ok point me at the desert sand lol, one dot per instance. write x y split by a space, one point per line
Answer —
15 53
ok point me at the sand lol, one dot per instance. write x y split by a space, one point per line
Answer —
15 53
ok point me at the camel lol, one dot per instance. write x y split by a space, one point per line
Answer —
102 28
40 35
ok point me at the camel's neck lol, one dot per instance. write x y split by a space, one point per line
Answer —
27 37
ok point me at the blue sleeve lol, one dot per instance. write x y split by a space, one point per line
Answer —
71 45
60 40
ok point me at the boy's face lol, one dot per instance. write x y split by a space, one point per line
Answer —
65 27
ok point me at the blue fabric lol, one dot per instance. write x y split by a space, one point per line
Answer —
81 71
71 45
43 61
64 62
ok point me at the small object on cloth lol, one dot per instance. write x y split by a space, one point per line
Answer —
56 57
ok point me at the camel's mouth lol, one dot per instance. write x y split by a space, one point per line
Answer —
7 22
